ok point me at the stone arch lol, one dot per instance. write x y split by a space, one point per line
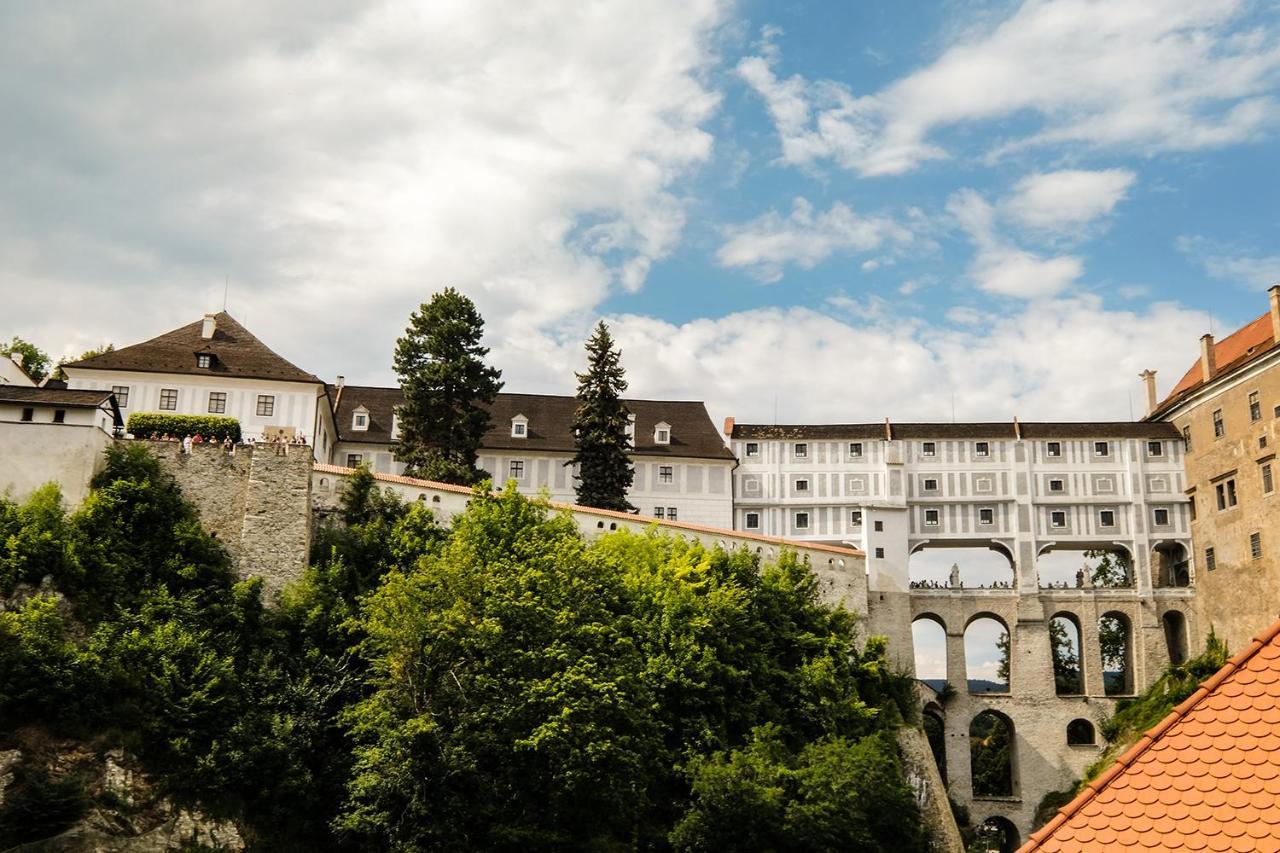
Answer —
1075 565
988 650
1174 623
613 525
972 564
929 639
1066 648
324 481
1080 732
435 499
996 835
1115 652
993 755
600 525
1170 565
934 721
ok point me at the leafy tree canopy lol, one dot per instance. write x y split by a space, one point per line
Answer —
34 360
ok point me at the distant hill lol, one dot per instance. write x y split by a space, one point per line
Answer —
976 685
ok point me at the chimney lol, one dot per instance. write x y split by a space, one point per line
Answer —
1208 359
1149 379
208 325
342 381
1275 312
728 427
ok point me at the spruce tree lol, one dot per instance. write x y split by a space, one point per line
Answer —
600 428
447 389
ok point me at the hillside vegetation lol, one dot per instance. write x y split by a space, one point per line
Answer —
498 685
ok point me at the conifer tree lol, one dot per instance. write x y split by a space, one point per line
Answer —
600 428
447 388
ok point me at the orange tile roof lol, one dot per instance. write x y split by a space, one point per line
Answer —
326 468
1236 350
1207 777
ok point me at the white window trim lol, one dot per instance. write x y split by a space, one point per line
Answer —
747 519
519 427
356 426
932 518
1053 519
662 433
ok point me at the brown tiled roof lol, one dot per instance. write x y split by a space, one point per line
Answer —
237 354
53 396
1207 777
693 434
1242 347
944 431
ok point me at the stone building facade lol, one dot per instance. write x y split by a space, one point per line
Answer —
1227 408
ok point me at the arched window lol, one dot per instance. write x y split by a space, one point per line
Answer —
930 640
1064 645
1175 636
986 655
991 755
1080 733
970 567
996 835
935 730
1115 648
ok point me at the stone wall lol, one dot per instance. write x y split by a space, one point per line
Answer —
256 501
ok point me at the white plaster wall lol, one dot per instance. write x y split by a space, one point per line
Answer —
32 454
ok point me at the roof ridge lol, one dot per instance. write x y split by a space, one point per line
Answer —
1151 737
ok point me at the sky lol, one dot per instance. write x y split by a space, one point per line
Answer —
795 212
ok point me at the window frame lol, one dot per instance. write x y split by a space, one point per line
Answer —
59 416
1155 449
1268 478
855 450
1219 425
671 514
204 360
802 484
168 400
515 469
925 487
1210 559
1056 514
660 513
932 517
354 460
1102 518
122 395
1255 545
982 448
1255 407
1053 449
666 474
929 448
28 415
747 521
1102 449
800 450
1062 485
855 518
360 421
220 398
266 406
751 449
795 520
1155 517
986 516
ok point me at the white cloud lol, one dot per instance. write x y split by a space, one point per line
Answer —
338 163
1067 199
1145 74
768 244
1248 269
1001 268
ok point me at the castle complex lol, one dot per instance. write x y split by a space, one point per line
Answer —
1183 503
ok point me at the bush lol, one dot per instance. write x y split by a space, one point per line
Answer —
151 424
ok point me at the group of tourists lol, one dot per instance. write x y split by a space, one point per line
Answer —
280 441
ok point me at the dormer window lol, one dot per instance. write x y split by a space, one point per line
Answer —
360 419
204 360
662 433
519 427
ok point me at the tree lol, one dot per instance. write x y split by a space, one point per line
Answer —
600 428
102 350
447 389
35 361
1066 661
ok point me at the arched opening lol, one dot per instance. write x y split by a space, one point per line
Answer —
935 731
980 566
1175 636
1115 648
991 753
1064 644
1084 568
995 835
1170 566
986 655
1080 733
930 640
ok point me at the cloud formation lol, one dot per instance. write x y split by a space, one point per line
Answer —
1001 268
1068 199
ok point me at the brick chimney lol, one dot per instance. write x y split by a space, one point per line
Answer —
1149 379
208 326
1275 312
1208 359
728 427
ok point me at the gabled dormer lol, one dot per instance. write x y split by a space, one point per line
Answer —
360 419
206 360
519 427
662 433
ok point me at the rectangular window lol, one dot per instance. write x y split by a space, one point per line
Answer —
1155 448
802 521
855 449
1107 518
122 395
1218 429
519 429
1255 545
1101 448
1056 486
360 421
1255 407
1162 518
1057 518
659 512
354 460
1194 508
28 414
217 402
753 448
1226 493
986 515
801 451
1053 448
517 469
1268 482
266 405
802 485
168 399
671 513
1210 561
982 448
1186 438
203 359
665 474
59 416
1262 442
931 485
879 553
931 518
855 518
879 527
752 522
662 436
929 448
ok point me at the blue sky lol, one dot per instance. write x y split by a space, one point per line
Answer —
836 211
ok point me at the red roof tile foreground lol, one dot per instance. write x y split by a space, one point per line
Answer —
608 513
1207 777
1241 347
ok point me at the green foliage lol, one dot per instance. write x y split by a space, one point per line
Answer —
1067 678
156 424
38 806
447 389
600 423
1051 802
991 756
1111 570
35 361
33 539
